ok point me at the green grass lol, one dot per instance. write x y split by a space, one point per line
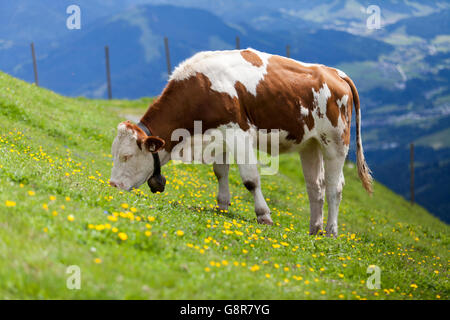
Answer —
54 168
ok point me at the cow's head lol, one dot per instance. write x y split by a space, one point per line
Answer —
133 161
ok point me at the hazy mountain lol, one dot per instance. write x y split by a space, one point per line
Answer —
138 66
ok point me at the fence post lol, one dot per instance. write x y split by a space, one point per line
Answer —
33 54
108 73
411 151
169 66
288 51
238 43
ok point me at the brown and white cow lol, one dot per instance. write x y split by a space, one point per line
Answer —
248 90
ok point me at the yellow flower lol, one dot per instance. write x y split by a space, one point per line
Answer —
267 275
44 206
123 236
70 218
341 296
54 213
98 260
67 198
114 229
414 286
124 205
148 233
31 193
45 229
9 203
323 292
244 251
180 233
133 209
254 268
207 269
52 198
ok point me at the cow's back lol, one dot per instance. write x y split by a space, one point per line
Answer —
256 89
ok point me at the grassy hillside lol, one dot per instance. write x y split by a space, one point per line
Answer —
57 210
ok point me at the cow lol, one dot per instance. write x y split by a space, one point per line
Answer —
250 91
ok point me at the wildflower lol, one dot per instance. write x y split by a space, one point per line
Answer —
70 218
67 198
207 269
254 268
124 205
9 203
148 233
31 193
52 198
180 233
98 260
123 236
414 286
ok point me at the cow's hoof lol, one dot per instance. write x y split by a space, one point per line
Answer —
315 229
222 207
265 219
331 231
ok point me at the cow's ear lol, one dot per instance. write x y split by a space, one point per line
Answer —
154 144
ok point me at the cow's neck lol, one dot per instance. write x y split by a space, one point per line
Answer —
161 122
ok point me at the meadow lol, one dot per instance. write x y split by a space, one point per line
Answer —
57 210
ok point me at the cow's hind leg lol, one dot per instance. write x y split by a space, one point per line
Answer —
334 181
312 163
223 197
250 178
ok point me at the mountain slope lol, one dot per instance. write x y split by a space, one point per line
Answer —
57 210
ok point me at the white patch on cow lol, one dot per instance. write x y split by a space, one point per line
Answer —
343 102
304 111
224 69
341 73
321 98
308 65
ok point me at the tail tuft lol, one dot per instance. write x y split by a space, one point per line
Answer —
364 172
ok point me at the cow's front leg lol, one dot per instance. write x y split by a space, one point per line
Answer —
223 197
250 178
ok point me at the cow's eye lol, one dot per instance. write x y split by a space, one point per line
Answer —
125 158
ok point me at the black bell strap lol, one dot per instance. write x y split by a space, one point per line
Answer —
156 161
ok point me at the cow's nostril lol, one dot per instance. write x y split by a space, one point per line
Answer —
113 184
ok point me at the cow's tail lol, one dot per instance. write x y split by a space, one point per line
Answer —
363 170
